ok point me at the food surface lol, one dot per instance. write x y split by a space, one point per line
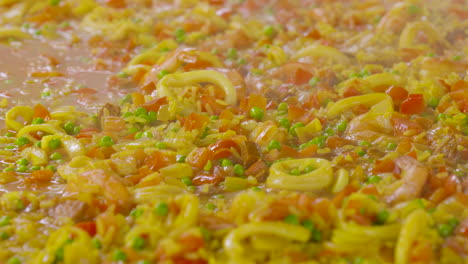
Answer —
233 131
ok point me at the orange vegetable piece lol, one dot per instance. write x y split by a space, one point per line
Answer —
397 93
39 176
41 112
190 242
158 160
89 227
195 121
155 104
413 105
198 157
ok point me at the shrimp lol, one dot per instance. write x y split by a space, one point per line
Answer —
413 177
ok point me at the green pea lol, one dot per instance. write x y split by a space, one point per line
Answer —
444 230
232 53
161 145
106 141
51 167
14 260
96 243
314 81
433 102
137 212
361 153
21 141
392 146
274 144
308 169
119 255
382 217
5 220
284 123
56 156
22 168
69 127
180 35
163 73
256 189
138 135
210 206
37 120
55 143
295 172
292 219
138 243
292 130
4 235
180 158
161 209
341 127
269 31
147 134
8 169
257 113
239 170
283 108
187 181
152 116
226 163
308 224
140 111
54 2
316 235
23 162
373 179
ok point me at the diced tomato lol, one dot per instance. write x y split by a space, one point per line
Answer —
323 207
413 105
257 169
351 91
287 151
421 252
256 100
84 90
190 242
226 114
401 125
207 178
89 227
39 176
301 77
41 111
223 148
195 121
370 189
339 197
158 160
198 157
155 104
397 93
295 112
384 165
182 260
116 3
308 151
277 211
335 142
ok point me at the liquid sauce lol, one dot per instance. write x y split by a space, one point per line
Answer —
227 132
